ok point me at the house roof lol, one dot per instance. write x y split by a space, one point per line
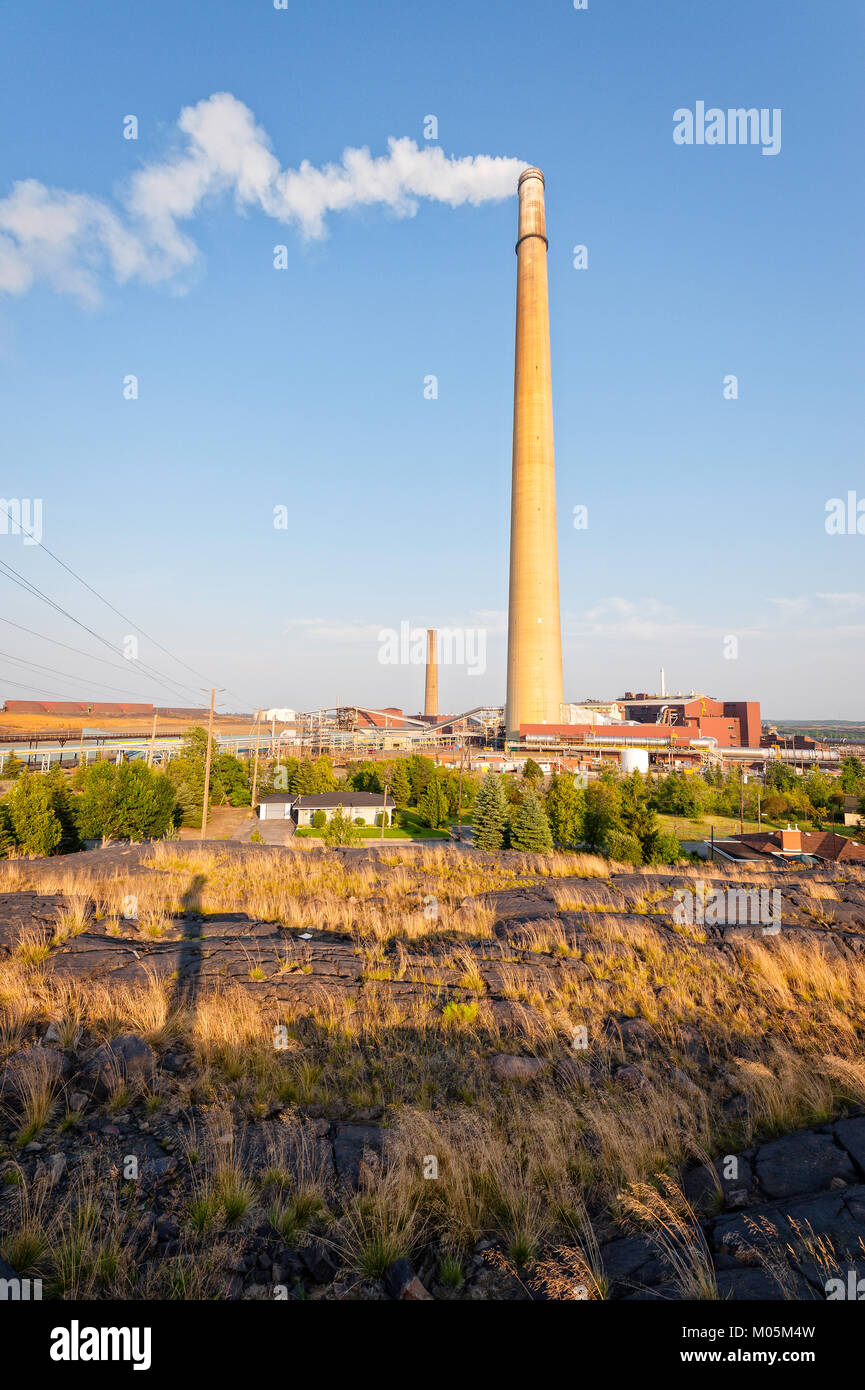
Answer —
824 844
324 800
734 849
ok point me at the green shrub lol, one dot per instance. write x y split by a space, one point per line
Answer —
623 846
340 831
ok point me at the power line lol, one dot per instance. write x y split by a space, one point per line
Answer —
168 682
79 651
104 600
41 691
65 675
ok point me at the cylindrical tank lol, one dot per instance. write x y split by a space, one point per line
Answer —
635 760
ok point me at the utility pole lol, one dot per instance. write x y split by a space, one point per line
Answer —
385 783
255 764
741 801
759 808
207 767
152 742
460 800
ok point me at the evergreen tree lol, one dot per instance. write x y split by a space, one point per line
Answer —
433 806
194 743
7 834
62 801
229 780
12 766
278 777
310 777
490 813
36 826
530 829
532 773
603 811
365 776
325 776
565 808
638 818
400 787
187 777
420 770
303 781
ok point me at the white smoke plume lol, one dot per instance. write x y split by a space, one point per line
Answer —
68 241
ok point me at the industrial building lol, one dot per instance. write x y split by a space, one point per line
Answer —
732 723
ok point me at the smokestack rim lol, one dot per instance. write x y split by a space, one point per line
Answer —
531 173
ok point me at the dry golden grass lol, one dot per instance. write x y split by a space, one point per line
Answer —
72 919
36 1088
782 1022
667 1219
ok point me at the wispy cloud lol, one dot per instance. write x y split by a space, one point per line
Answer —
844 600
792 607
357 632
334 632
70 241
644 619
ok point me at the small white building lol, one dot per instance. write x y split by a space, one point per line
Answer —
362 806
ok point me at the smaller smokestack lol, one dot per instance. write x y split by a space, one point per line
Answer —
431 695
663 682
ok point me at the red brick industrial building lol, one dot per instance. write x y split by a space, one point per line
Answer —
734 723
671 721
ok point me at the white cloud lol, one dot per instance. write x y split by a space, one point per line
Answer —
843 600
334 632
791 606
644 619
69 241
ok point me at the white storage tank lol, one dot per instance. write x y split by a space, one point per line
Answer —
635 760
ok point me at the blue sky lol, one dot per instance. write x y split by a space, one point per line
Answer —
304 387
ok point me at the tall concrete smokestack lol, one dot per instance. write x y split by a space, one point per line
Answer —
534 628
431 694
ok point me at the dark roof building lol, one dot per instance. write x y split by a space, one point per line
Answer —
300 808
790 844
